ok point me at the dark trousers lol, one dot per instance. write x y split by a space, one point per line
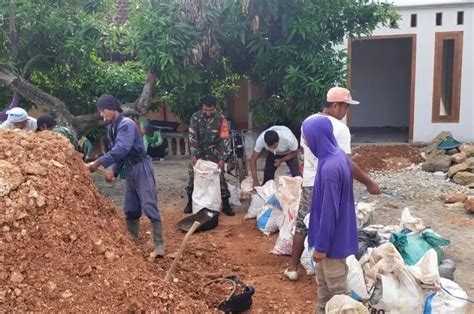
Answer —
140 192
269 172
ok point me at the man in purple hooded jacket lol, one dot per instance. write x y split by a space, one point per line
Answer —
332 231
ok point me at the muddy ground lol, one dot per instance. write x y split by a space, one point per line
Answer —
237 247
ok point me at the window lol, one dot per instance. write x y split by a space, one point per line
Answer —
413 20
447 76
460 18
439 19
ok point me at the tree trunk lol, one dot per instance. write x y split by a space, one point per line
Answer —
63 116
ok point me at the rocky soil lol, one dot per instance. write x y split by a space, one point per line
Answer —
237 247
63 247
425 194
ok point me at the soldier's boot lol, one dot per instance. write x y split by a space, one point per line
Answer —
133 228
189 207
226 207
158 246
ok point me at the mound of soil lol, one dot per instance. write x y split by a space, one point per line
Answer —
63 247
385 157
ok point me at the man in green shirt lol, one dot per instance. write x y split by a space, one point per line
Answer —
47 122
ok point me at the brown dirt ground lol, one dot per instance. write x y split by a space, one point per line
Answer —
385 157
56 264
63 247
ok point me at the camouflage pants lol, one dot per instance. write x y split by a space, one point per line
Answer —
224 189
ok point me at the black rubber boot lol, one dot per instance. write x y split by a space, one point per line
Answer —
189 207
226 207
133 228
158 246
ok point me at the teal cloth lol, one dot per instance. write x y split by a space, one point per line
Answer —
413 246
154 140
123 172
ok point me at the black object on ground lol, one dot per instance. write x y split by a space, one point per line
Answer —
367 239
240 299
209 219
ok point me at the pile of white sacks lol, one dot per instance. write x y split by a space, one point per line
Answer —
381 280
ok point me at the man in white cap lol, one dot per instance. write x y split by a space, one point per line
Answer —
338 102
18 119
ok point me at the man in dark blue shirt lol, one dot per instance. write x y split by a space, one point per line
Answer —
128 153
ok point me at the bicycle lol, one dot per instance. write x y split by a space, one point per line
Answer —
236 161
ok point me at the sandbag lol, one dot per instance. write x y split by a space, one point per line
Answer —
443 302
284 242
342 304
356 280
256 202
247 184
289 193
400 294
395 288
426 269
411 222
306 258
234 199
266 190
414 245
269 219
287 198
364 213
207 189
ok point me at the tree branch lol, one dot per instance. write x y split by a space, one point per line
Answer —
37 96
141 105
63 116
33 60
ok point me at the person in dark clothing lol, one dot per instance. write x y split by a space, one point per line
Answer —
127 150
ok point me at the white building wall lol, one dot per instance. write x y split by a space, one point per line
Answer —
424 130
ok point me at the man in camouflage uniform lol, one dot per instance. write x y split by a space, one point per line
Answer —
206 143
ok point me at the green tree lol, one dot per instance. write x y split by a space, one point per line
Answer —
291 49
65 49
179 51
177 40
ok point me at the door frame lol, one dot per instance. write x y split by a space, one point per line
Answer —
412 79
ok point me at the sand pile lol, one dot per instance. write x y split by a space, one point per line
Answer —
63 247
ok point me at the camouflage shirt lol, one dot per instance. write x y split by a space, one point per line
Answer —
204 136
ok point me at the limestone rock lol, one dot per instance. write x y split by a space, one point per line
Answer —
10 177
459 157
464 178
456 197
437 163
16 277
469 204
457 168
470 162
432 147
468 148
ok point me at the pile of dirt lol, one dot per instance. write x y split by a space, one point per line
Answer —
385 157
63 247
